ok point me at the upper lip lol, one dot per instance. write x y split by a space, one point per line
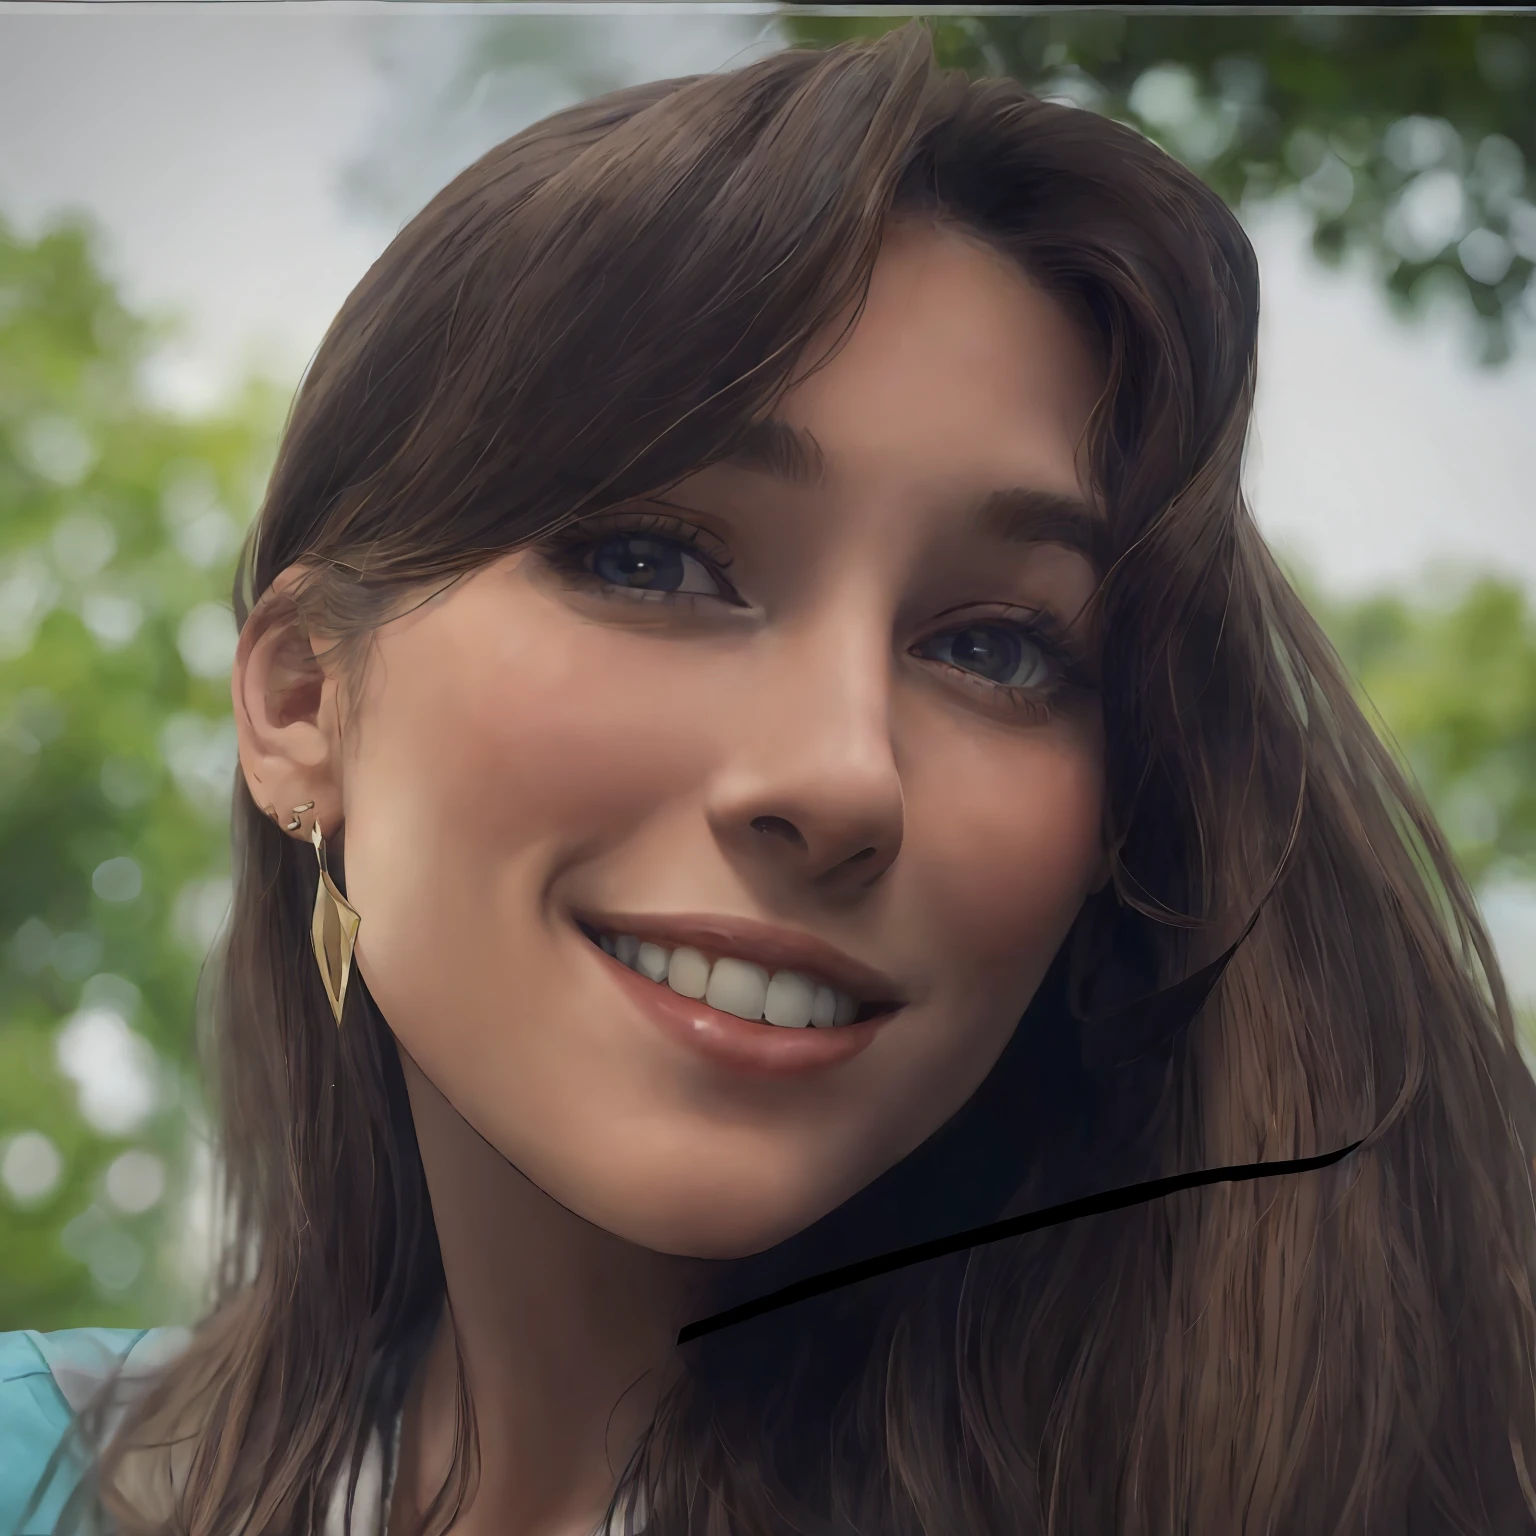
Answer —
745 938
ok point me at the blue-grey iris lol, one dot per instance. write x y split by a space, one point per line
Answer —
629 560
994 653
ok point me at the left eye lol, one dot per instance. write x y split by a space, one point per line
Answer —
643 563
1001 655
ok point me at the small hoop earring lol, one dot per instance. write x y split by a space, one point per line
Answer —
332 929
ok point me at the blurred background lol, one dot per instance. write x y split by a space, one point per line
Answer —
188 193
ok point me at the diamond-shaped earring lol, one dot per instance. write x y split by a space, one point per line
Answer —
332 931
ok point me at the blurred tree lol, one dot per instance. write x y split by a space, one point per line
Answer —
1408 137
118 529
1455 685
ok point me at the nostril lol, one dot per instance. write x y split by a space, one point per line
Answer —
776 826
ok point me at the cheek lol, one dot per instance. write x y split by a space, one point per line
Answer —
522 724
1010 842
499 745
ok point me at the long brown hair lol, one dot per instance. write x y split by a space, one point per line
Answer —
589 313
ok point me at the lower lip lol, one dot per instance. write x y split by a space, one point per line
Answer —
746 1045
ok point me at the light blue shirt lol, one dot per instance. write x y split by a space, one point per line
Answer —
45 1380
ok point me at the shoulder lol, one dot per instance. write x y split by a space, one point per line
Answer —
45 1380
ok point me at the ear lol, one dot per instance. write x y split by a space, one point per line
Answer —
287 719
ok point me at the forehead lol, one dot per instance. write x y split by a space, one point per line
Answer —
960 366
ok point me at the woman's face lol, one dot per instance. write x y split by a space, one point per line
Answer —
820 730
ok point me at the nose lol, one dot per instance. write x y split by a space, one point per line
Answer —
811 788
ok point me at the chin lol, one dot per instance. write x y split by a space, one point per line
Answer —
714 1228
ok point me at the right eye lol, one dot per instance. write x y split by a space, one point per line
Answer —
653 558
644 563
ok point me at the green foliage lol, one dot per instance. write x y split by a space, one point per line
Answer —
1408 137
119 524
1455 686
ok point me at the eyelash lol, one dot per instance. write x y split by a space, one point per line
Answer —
566 552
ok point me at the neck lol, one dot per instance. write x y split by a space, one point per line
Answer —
564 1334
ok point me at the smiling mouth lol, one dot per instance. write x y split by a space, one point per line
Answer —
786 999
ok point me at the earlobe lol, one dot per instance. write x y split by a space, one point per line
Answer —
284 709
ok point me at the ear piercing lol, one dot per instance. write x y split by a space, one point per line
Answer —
298 810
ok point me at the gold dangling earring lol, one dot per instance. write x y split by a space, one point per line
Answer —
332 930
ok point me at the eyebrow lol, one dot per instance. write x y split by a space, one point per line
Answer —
1012 515
774 447
1022 514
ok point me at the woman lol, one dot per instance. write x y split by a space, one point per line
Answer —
757 585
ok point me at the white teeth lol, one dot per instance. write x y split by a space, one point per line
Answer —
788 1003
688 973
784 998
651 960
824 1008
737 986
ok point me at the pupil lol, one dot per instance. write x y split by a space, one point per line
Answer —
993 653
628 561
